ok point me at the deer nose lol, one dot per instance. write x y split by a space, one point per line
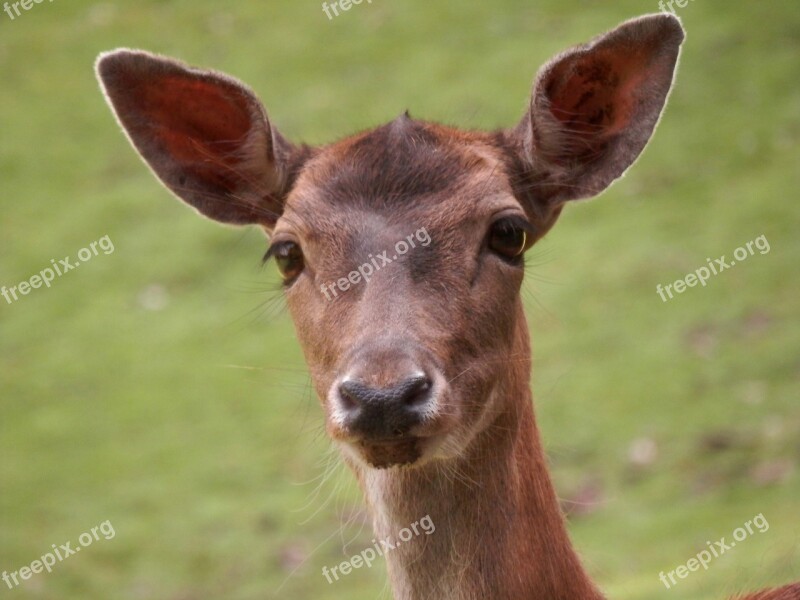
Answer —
385 412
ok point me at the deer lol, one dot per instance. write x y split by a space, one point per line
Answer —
422 370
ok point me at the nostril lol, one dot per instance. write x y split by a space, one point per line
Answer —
417 390
348 395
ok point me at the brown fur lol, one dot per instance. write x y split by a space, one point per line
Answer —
789 592
452 308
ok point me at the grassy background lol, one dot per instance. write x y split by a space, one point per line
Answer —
161 387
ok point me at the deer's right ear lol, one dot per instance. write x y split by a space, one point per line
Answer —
205 135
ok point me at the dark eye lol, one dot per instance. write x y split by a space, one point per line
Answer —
289 259
509 237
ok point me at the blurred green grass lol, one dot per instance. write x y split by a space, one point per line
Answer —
192 427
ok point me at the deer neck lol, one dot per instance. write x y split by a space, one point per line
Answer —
499 531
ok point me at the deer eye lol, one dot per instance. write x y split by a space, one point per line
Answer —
509 237
289 259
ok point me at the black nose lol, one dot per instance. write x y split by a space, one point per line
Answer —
388 412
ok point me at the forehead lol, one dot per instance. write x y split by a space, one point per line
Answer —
404 170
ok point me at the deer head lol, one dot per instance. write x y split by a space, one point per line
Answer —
408 357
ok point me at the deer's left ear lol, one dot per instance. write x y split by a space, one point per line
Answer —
594 108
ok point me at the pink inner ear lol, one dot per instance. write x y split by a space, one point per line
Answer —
196 120
595 94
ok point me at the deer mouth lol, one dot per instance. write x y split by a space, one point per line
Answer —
382 454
